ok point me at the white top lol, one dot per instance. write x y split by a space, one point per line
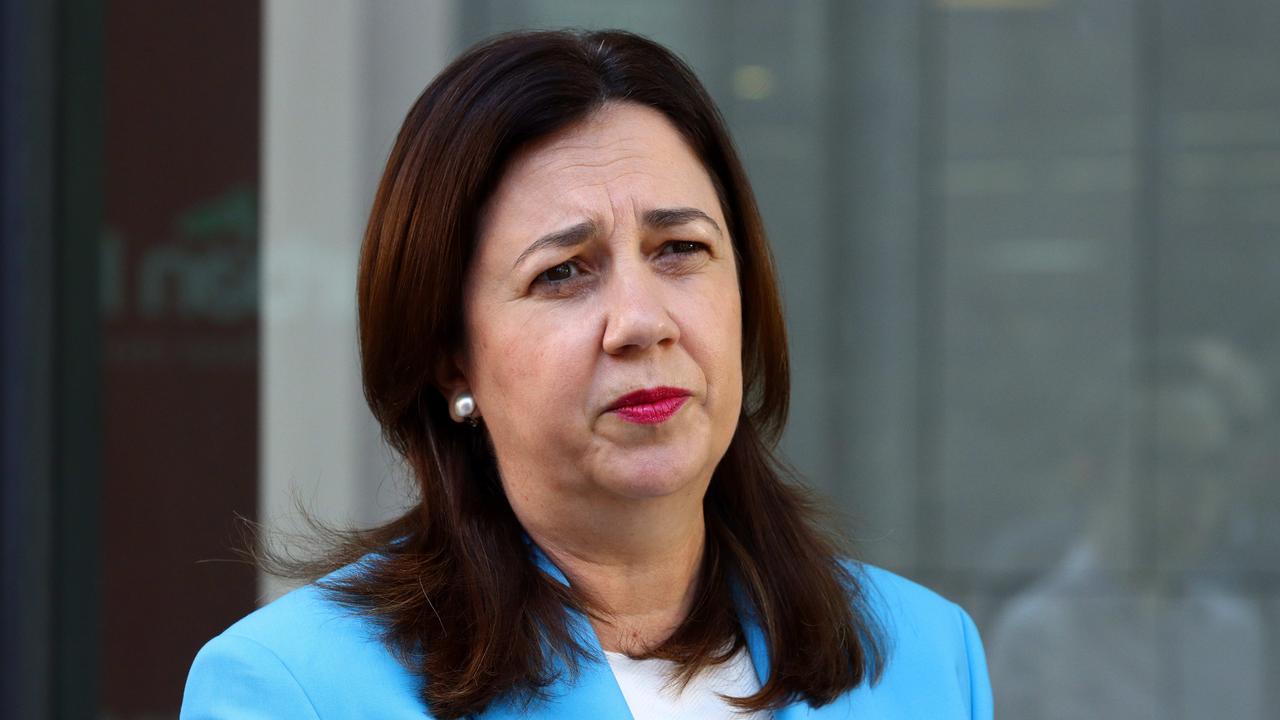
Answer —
645 684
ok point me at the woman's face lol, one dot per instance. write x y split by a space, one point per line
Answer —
603 317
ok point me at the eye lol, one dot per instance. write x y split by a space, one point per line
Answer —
559 280
684 254
559 273
683 247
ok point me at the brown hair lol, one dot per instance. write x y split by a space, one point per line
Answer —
452 581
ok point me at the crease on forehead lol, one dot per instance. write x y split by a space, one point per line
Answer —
582 139
580 156
578 147
534 165
605 217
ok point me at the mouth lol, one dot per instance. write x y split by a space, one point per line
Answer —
650 406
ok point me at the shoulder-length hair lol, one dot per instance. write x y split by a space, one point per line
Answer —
452 581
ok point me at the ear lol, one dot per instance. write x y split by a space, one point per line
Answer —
451 378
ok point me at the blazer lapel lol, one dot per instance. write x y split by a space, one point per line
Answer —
589 694
593 693
758 648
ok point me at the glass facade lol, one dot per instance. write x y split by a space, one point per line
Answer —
1029 257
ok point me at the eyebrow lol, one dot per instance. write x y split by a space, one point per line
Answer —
662 218
657 219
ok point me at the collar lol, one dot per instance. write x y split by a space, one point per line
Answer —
593 691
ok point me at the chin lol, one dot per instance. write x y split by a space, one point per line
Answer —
648 475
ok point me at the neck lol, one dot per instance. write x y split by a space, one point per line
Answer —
638 568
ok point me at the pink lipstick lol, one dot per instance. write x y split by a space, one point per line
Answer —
651 405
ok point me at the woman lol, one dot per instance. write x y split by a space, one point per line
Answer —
570 329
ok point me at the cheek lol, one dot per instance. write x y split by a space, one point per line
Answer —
530 366
729 310
721 322
731 324
511 367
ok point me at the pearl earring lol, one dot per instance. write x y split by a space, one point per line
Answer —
463 407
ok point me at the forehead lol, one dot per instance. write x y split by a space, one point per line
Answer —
623 159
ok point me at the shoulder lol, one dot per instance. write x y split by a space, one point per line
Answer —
934 649
904 606
301 656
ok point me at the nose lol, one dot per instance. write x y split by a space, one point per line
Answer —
636 316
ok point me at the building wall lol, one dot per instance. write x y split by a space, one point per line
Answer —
1028 256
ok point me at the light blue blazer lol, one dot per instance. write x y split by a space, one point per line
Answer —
303 656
